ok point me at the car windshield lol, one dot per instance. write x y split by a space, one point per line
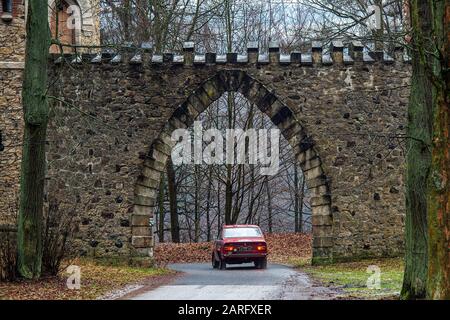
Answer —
241 232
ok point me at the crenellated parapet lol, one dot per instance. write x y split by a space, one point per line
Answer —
337 54
341 108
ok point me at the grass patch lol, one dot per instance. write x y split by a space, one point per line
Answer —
352 277
96 280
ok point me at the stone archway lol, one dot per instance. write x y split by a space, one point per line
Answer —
147 184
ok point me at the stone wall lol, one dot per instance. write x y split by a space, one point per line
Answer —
12 53
101 143
11 129
12 35
12 57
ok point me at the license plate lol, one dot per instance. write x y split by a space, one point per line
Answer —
245 248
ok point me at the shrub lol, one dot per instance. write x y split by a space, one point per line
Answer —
59 227
7 253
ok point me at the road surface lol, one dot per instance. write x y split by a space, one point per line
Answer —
200 281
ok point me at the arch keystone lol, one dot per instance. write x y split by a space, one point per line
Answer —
250 88
232 79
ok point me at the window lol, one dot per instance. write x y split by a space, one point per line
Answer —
7 6
65 32
6 10
241 232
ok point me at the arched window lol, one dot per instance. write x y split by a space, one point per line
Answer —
6 10
62 25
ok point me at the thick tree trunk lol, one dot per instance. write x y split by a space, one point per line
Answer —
419 156
438 183
172 188
32 173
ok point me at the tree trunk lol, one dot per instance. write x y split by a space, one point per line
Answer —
161 209
196 205
378 33
143 30
219 213
127 20
438 184
296 213
301 204
418 159
229 182
172 188
269 205
32 173
208 206
230 110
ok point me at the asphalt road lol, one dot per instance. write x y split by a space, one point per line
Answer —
241 282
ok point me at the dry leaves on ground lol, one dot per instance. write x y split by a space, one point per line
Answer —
283 247
96 280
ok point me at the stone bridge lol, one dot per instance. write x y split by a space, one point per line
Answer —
343 113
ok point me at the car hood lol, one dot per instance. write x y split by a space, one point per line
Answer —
240 239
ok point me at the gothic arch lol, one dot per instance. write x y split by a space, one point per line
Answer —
147 184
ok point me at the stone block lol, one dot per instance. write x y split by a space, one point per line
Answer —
141 241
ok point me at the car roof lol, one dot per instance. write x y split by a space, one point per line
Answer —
241 226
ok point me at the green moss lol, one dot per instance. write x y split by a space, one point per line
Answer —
352 277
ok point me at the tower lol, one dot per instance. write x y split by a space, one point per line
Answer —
78 25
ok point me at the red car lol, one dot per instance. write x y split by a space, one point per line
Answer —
240 244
